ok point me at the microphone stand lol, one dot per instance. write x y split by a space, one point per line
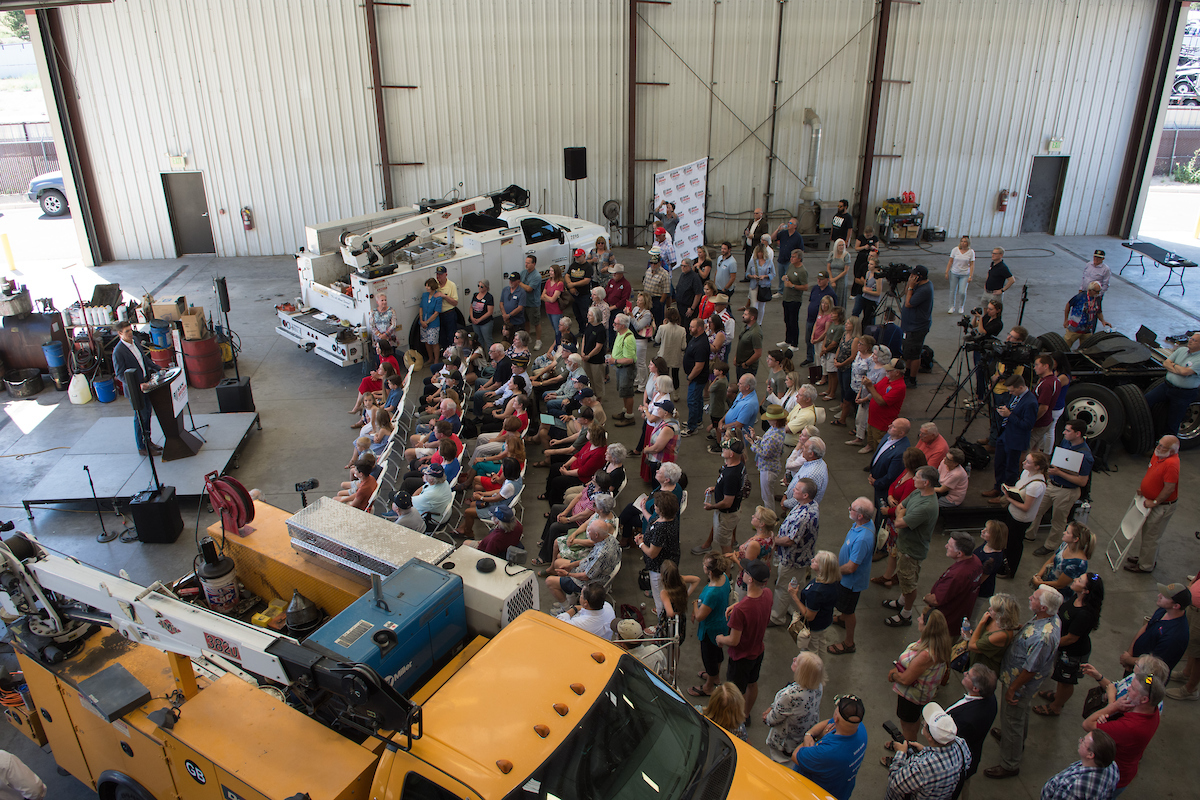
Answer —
104 536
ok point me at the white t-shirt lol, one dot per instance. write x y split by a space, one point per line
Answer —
1035 487
960 261
596 622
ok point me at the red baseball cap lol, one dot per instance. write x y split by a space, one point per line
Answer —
579 253
659 230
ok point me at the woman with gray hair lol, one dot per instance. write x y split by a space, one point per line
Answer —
803 414
876 369
574 545
598 297
637 516
595 344
614 466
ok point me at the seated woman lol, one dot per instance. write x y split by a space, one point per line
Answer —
489 445
637 518
565 517
579 468
573 545
485 502
484 469
1069 561
614 465
516 406
374 382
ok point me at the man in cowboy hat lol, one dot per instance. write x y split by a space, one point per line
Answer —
657 285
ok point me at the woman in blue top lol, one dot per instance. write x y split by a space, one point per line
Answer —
709 611
431 307
761 272
816 600
1069 561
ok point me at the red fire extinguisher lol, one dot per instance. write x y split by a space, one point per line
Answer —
1002 204
247 219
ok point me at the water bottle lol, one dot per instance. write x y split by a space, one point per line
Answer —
966 628
794 584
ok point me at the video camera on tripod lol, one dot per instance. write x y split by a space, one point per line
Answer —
895 273
991 350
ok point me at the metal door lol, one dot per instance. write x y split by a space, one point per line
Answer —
189 213
1044 194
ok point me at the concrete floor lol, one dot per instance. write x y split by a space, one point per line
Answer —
303 400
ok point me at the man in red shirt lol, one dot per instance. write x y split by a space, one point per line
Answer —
616 292
1134 729
361 497
887 397
932 444
748 620
1158 492
954 593
1046 391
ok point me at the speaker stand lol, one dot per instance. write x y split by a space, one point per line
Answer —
576 198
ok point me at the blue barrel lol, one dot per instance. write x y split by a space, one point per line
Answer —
160 333
54 354
104 390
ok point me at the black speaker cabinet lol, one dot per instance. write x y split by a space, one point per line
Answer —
156 516
233 395
575 163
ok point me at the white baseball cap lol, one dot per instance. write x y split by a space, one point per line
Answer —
942 728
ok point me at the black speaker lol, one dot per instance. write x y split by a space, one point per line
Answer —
233 395
222 294
156 516
575 163
133 389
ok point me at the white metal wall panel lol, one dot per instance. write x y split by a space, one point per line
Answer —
268 100
502 88
992 82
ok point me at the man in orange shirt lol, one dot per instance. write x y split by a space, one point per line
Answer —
932 444
1159 489
361 497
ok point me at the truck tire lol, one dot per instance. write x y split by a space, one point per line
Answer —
1054 342
1096 338
114 785
1138 436
1189 429
1098 407
53 203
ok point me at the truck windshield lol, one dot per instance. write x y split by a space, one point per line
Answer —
640 740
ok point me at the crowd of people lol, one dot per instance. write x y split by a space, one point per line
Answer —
681 365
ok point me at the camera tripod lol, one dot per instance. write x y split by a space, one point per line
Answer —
974 373
889 302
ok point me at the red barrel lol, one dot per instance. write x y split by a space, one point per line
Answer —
163 357
202 360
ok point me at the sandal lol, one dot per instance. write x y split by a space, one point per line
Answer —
542 463
890 746
634 453
541 497
698 691
537 562
898 621
893 604
887 761
840 649
883 580
837 422
1046 696
828 398
1046 711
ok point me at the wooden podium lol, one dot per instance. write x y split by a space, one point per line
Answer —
168 397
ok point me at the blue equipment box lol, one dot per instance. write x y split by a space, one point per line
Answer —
424 620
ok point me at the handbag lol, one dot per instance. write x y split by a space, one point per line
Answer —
960 657
644 579
799 630
763 294
1095 700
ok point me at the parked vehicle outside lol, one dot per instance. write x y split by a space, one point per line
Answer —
47 190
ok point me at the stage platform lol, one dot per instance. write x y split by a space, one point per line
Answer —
120 473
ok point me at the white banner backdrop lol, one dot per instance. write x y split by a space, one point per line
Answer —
686 187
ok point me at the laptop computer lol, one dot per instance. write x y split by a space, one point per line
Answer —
1069 460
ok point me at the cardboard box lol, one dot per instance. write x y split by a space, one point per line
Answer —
194 324
170 309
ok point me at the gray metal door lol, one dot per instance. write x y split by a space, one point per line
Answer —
1044 194
189 213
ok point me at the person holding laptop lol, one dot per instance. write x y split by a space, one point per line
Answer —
1070 470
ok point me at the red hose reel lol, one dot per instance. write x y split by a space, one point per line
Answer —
230 497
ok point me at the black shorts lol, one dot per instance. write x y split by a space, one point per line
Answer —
711 656
743 671
847 600
1067 668
907 710
913 342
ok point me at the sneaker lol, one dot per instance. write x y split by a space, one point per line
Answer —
854 442
556 609
715 449
707 406
687 433
712 436
537 345
1179 693
1043 551
700 550
782 345
949 310
865 449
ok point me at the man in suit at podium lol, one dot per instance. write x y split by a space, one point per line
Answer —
128 354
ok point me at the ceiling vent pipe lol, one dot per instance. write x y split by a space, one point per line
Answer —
809 193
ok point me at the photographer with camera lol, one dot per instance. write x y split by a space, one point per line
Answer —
929 771
986 324
916 319
1010 357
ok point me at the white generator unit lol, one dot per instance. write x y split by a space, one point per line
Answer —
507 595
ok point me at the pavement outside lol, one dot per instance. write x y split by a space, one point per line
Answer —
303 401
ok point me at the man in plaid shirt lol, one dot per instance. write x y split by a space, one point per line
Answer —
1093 777
918 772
656 284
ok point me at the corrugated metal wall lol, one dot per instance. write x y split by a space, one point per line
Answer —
502 88
992 82
268 100
272 102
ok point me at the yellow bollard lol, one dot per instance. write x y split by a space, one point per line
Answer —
1197 236
12 263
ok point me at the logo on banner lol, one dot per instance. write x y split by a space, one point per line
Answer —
693 210
683 226
660 179
695 181
703 165
687 170
675 173
695 237
699 195
681 186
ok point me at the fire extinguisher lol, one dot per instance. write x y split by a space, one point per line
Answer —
1002 204
247 219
